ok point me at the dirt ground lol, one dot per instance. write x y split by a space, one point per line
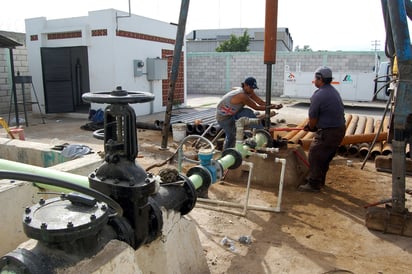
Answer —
314 233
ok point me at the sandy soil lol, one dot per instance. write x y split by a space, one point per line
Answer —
313 233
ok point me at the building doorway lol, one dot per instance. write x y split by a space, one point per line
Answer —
65 79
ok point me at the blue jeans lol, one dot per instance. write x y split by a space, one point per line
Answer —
229 126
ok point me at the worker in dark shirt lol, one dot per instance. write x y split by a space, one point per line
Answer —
327 120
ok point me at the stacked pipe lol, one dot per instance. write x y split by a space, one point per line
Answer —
360 133
369 128
197 123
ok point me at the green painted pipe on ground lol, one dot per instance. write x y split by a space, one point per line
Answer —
196 180
47 172
226 162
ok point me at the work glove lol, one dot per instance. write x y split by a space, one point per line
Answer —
308 128
274 106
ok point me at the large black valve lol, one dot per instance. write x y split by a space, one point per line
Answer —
119 131
123 202
118 96
120 177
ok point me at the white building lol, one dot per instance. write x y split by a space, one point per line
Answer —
99 52
207 40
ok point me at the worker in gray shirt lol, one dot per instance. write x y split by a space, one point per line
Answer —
327 120
232 106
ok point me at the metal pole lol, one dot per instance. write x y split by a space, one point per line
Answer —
13 83
401 120
268 94
271 16
175 69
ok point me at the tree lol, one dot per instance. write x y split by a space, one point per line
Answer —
305 48
235 43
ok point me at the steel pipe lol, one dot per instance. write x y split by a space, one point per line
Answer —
293 133
352 139
369 128
299 136
350 130
353 149
386 147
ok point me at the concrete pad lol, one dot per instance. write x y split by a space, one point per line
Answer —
267 173
14 198
177 250
116 257
32 153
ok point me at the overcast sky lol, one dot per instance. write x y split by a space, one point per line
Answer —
321 24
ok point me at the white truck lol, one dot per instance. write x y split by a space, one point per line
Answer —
352 86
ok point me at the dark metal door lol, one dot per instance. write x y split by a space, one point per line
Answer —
65 78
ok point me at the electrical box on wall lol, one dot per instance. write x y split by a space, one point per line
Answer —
156 69
138 68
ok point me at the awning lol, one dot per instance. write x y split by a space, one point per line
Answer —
6 42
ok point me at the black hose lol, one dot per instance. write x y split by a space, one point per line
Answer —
23 176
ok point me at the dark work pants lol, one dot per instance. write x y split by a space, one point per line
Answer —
229 126
321 152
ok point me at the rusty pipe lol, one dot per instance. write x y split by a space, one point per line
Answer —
377 147
353 149
348 118
386 149
295 139
369 127
350 130
350 139
290 135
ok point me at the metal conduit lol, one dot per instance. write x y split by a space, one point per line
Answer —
386 147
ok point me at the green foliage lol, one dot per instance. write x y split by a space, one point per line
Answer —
235 43
305 48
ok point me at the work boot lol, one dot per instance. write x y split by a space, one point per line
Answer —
308 188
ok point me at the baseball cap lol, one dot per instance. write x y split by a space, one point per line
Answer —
251 82
325 72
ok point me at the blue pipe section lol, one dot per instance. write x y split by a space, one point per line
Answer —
400 30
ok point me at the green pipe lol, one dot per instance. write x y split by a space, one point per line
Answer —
46 172
227 161
243 149
260 139
196 180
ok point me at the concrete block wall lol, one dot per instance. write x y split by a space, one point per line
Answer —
216 73
20 65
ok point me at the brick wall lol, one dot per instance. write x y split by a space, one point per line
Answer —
216 73
179 92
